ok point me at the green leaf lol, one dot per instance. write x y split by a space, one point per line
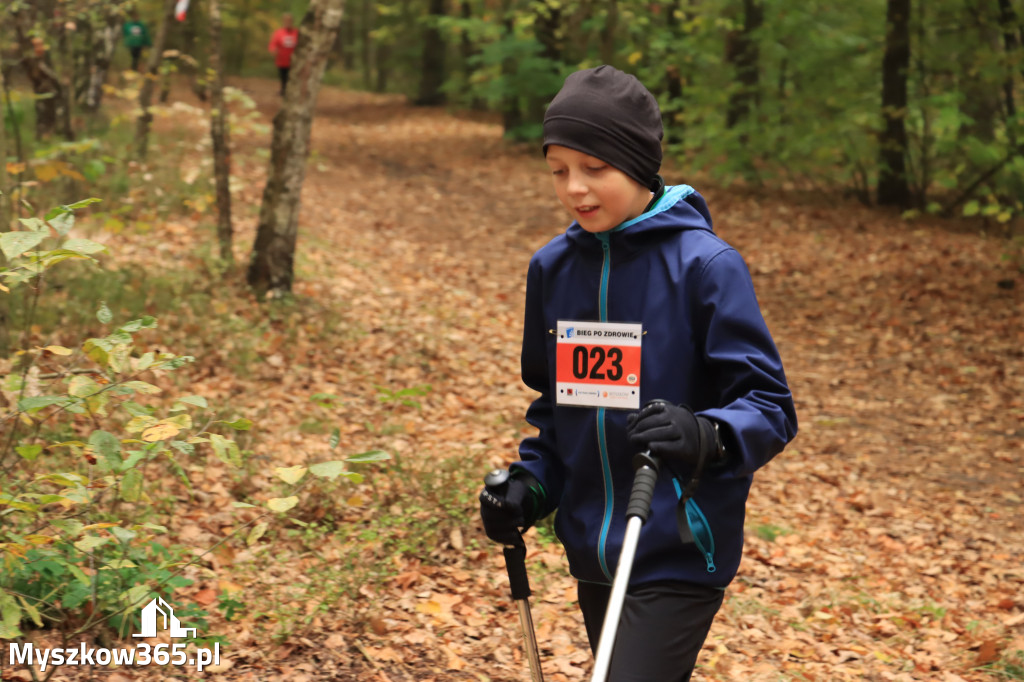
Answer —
131 486
108 446
34 224
62 223
290 475
32 611
282 504
10 617
124 535
14 244
256 533
183 447
103 314
371 456
226 450
118 563
142 387
36 403
239 424
331 470
83 203
147 322
197 400
29 452
335 438
136 595
68 527
89 543
82 386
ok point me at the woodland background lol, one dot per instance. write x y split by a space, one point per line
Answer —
256 352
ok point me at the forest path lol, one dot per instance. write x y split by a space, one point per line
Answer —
886 542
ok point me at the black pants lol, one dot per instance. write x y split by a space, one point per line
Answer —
136 53
662 628
282 72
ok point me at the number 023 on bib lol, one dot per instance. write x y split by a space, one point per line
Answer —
598 364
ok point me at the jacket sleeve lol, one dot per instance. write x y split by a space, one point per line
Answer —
274 40
753 405
538 454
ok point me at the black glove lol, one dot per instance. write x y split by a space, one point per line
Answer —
512 508
673 432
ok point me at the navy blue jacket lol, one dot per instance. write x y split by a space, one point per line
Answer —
705 345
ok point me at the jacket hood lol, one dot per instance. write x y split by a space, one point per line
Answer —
680 208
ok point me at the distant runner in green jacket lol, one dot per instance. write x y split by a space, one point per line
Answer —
136 37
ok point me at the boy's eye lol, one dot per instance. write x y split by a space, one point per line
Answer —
594 169
558 172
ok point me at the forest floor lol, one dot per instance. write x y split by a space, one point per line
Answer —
885 543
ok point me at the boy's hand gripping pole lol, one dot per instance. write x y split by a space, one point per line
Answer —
637 513
519 583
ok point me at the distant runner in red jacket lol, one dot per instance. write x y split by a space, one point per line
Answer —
282 44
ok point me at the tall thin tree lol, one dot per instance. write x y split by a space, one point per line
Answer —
271 266
149 81
432 73
893 184
220 136
743 53
5 186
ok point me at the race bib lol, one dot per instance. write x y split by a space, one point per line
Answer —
598 364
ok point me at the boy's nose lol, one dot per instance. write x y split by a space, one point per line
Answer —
576 185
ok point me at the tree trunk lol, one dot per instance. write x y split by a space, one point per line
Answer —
743 53
219 134
432 74
608 33
271 265
5 185
51 104
366 42
893 185
1008 21
149 79
511 112
104 42
674 129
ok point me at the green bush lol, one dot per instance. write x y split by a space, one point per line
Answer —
91 443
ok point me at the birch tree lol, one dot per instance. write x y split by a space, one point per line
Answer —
219 135
271 265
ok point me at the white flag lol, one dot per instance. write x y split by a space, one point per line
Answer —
180 9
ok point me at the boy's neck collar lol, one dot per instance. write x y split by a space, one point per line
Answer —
658 190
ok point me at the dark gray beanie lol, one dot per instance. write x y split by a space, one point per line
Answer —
609 115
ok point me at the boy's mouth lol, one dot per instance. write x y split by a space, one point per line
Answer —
586 210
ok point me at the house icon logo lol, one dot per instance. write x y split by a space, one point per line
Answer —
150 615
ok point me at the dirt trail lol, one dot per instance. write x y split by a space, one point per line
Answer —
886 543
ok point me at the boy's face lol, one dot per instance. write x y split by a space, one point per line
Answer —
599 196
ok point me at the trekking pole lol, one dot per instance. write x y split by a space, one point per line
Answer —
519 583
637 512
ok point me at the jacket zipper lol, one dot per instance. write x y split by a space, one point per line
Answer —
606 469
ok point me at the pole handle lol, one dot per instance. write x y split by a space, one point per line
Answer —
644 480
515 563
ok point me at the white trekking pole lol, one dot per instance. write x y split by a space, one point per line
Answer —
637 512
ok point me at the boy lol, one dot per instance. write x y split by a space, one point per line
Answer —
639 299
136 37
282 44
